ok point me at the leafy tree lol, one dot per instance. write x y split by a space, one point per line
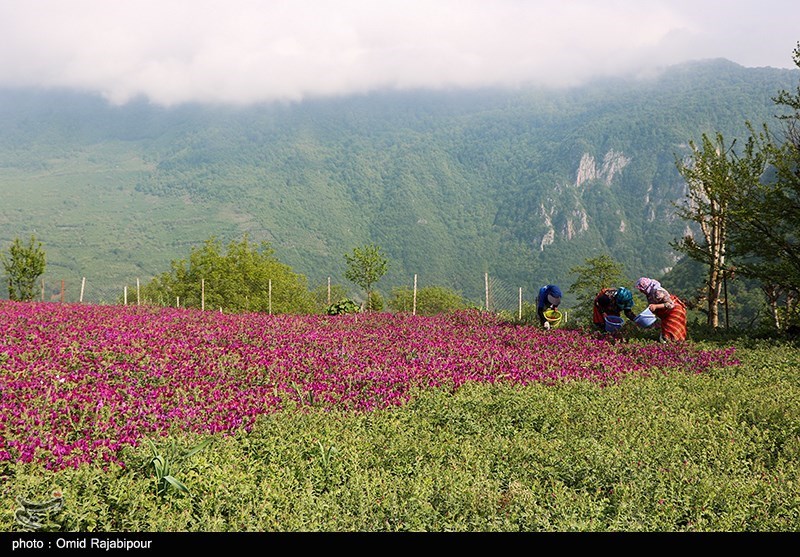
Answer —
431 300
598 273
714 173
365 267
23 265
765 214
237 281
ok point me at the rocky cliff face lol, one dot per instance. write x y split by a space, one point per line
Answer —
588 170
569 223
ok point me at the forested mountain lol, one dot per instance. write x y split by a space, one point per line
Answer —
521 184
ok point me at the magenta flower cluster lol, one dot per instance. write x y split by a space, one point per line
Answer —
80 382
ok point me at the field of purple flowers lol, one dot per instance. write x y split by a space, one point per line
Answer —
80 382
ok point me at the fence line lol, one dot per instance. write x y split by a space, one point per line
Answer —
498 295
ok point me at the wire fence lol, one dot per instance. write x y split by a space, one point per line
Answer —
499 296
60 290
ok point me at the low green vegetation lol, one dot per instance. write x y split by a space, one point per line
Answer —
342 307
713 452
430 300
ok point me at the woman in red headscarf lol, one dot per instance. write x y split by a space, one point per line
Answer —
667 307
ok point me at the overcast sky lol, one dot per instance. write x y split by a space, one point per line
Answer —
239 51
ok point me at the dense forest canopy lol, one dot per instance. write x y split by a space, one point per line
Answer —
520 184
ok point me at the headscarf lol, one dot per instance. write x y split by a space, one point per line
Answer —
624 298
554 295
647 285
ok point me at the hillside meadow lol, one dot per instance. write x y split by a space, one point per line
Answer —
452 183
143 419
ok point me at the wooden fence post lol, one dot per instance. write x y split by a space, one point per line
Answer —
125 294
520 303
414 306
486 288
270 296
83 284
137 291
202 294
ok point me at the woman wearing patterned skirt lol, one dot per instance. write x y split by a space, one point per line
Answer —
667 307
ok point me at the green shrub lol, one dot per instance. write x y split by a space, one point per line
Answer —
342 307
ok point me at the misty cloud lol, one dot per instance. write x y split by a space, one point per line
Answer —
174 51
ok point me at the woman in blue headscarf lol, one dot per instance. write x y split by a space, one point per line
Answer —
612 301
549 298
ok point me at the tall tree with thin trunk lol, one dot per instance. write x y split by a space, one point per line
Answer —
365 267
713 172
598 273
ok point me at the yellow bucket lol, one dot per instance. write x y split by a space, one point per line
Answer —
553 317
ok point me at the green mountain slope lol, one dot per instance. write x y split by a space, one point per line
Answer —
519 184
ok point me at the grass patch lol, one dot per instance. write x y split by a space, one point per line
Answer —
718 451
